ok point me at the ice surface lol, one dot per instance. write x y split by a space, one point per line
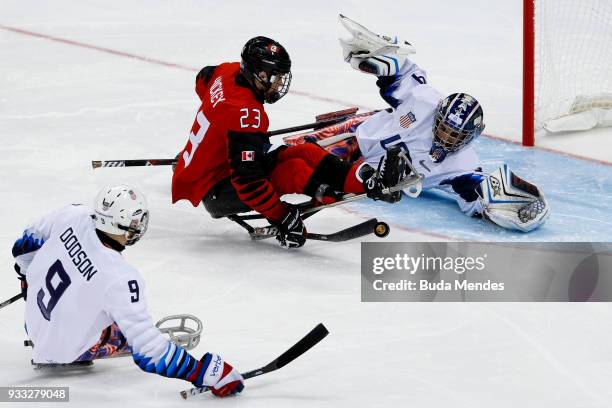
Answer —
63 105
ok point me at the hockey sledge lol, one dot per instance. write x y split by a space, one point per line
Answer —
74 366
234 210
223 202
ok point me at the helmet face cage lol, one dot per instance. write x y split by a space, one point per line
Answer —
137 227
278 86
458 121
266 62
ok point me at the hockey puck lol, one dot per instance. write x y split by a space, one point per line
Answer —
381 229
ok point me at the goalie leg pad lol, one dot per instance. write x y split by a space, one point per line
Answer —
511 202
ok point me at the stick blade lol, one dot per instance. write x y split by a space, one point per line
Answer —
306 343
356 231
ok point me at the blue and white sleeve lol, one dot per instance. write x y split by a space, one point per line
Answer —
396 89
151 350
32 239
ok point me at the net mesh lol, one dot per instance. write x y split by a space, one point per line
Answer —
573 58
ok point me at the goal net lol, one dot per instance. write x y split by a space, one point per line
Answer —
572 63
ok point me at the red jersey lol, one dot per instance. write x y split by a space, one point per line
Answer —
227 108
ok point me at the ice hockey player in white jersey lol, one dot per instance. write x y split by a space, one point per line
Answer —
436 131
78 285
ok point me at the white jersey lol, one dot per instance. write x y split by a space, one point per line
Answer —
410 125
77 287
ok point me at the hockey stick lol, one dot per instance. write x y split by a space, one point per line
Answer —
371 226
132 163
306 343
307 126
11 300
323 120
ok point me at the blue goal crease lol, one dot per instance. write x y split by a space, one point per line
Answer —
579 193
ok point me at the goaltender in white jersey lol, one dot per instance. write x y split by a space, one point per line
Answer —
409 125
78 287
436 132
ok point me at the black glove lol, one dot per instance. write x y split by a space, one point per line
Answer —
292 232
24 282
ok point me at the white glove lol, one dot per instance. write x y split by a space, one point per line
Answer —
372 53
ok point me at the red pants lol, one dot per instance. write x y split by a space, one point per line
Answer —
296 164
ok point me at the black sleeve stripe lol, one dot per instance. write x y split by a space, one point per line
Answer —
254 195
263 200
252 187
270 207
244 181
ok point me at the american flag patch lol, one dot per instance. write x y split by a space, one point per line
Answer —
407 120
248 155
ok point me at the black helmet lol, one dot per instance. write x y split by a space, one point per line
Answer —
266 62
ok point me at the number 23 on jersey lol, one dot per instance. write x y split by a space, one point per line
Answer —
250 118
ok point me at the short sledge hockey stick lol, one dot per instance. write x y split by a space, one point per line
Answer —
11 300
371 226
306 343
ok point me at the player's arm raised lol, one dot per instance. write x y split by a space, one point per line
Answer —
154 353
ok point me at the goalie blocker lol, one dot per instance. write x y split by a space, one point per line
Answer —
511 202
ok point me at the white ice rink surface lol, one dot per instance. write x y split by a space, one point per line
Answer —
63 104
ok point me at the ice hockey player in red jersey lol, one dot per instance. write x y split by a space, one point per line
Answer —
228 163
